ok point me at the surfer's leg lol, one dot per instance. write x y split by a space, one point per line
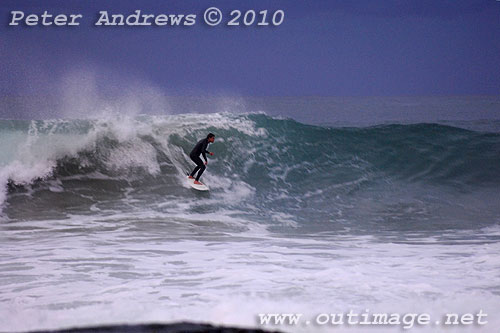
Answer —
199 163
199 166
202 168
196 168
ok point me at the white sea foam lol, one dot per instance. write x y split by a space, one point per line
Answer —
48 141
164 274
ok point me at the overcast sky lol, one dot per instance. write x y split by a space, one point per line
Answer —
328 48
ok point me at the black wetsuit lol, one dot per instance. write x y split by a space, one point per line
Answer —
200 148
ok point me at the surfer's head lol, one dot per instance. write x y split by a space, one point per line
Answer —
210 137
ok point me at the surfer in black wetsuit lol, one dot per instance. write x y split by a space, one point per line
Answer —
200 148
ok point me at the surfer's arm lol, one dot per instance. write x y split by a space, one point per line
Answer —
210 153
204 151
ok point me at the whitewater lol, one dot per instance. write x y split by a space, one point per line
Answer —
98 225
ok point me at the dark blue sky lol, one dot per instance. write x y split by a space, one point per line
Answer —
329 48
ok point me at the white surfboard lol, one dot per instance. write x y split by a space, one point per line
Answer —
196 186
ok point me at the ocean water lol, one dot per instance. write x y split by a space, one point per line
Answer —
98 225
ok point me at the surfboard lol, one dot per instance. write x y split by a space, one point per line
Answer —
196 186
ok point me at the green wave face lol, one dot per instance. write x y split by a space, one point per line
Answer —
415 177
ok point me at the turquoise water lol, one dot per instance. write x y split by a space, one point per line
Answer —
98 221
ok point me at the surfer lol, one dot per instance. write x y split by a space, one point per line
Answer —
200 148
